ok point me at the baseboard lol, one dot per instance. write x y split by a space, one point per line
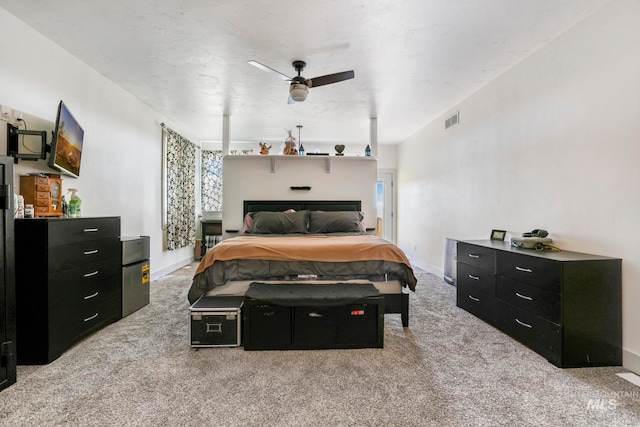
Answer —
170 269
631 361
430 269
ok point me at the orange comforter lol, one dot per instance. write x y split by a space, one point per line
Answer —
304 248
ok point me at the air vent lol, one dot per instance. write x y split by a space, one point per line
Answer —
452 121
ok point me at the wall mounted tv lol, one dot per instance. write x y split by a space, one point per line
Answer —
66 147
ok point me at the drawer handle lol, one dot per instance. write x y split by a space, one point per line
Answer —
471 297
473 277
523 324
474 256
91 296
91 274
526 270
519 295
90 230
95 251
91 317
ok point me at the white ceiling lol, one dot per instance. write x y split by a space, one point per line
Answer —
413 59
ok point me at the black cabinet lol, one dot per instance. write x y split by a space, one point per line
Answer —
68 282
566 306
7 277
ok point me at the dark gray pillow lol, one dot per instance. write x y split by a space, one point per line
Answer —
279 222
335 222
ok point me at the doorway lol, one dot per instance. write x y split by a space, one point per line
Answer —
385 205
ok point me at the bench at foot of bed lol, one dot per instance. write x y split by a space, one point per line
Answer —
305 317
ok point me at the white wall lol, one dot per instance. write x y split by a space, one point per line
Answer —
121 158
388 157
250 178
553 143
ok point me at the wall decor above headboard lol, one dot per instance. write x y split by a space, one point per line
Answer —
249 179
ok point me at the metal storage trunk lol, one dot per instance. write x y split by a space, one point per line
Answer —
214 321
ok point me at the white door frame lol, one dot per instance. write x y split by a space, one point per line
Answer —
388 177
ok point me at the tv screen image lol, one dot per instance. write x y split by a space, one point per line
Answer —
66 147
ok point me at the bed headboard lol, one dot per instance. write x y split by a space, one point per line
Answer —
298 205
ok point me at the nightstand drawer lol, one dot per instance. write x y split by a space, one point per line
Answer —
535 271
476 302
530 298
477 256
541 336
476 278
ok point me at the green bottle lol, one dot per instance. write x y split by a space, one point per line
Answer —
74 204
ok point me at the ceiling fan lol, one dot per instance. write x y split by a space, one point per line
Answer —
299 88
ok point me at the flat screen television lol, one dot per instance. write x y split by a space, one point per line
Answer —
66 147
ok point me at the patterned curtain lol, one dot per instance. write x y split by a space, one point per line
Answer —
211 180
181 195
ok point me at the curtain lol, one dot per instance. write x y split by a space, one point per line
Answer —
211 188
180 161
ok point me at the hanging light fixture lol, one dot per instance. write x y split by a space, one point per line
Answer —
301 148
298 92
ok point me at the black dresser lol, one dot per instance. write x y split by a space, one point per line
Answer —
566 306
67 282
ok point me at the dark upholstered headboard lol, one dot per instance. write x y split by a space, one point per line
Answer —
298 205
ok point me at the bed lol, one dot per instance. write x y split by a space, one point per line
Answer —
315 242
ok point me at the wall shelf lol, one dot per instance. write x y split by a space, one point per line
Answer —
275 159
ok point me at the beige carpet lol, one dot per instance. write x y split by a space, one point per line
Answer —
447 369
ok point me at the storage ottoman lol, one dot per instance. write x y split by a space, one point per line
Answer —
313 316
214 321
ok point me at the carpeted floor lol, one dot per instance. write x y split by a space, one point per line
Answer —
447 369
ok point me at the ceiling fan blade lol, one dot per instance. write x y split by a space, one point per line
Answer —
332 78
269 70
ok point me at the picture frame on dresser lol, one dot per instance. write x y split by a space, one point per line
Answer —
498 234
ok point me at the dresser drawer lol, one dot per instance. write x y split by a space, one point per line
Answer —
541 336
539 272
80 293
82 318
95 310
77 283
64 232
477 256
82 253
476 278
535 300
476 302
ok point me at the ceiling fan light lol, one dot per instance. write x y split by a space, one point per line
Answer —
299 92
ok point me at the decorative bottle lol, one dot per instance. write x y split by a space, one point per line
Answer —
20 207
301 150
74 204
65 208
367 151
